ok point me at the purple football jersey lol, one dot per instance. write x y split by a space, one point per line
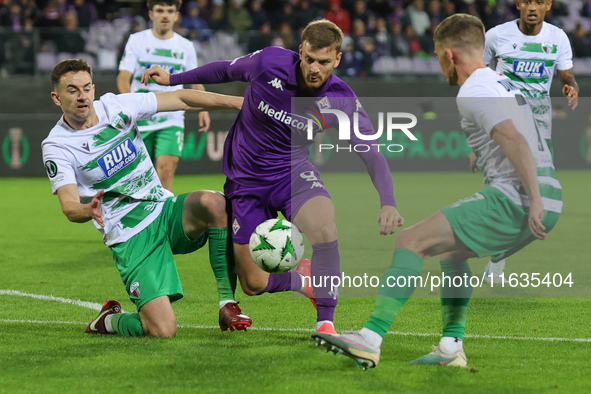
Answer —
261 147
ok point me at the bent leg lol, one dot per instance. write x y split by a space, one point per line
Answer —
431 237
316 219
158 319
425 239
201 210
147 268
255 281
204 212
252 279
249 207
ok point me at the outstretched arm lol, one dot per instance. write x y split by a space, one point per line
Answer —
243 69
77 212
240 69
158 75
519 154
186 99
570 88
216 72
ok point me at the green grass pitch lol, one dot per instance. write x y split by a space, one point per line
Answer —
534 344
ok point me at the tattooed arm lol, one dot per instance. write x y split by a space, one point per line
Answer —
570 88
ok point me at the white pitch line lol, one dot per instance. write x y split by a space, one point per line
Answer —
86 304
41 321
409 334
97 306
478 336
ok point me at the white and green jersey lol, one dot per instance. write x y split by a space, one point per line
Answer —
530 62
176 54
109 156
487 99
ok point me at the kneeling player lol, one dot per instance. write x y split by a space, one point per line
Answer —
99 168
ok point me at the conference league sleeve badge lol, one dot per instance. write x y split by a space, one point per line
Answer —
51 168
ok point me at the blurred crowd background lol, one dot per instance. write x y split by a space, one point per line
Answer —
382 36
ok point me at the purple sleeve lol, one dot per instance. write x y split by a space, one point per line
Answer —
375 162
240 69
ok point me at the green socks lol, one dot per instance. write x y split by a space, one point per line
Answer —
398 285
455 300
406 265
221 258
127 324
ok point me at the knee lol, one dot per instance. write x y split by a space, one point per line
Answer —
214 204
323 233
165 172
456 256
253 281
253 284
161 330
407 240
166 169
404 239
249 290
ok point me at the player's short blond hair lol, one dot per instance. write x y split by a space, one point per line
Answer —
323 34
460 31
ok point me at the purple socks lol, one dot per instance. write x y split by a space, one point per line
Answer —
326 264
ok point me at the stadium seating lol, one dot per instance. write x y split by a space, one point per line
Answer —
105 40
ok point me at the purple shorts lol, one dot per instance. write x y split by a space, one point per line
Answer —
251 205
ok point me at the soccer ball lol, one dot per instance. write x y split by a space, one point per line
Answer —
276 246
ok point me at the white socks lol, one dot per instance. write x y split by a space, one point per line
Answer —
450 345
223 303
372 337
108 325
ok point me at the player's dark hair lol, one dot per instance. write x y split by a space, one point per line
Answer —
461 31
66 66
322 34
176 3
